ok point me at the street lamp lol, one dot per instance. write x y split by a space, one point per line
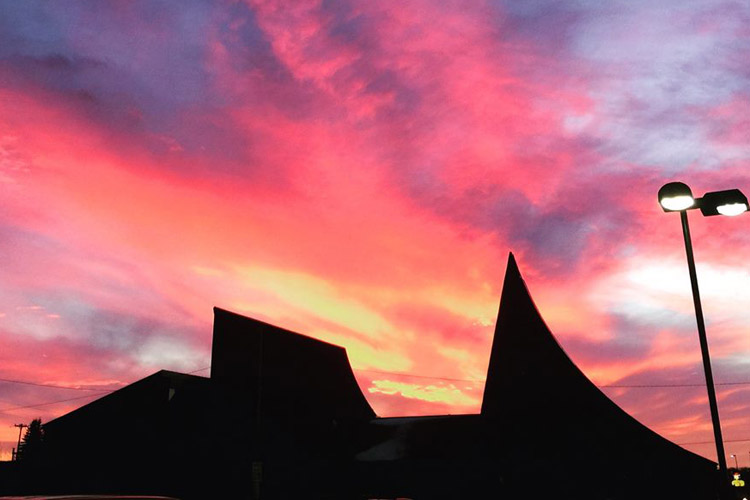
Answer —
677 197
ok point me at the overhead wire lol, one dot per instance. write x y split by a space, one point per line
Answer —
604 386
54 386
646 386
382 372
73 388
421 376
9 408
401 374
607 386
712 442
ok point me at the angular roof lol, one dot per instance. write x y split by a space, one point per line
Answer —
289 373
144 396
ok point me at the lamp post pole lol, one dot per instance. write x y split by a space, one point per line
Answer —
704 348
677 197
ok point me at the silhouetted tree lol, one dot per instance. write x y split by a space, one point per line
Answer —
32 445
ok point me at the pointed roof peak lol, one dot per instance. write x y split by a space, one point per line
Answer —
513 283
512 265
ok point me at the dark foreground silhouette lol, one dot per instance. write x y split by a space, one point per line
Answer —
282 417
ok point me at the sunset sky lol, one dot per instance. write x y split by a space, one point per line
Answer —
358 172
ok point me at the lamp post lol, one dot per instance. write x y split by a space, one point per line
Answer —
677 197
735 461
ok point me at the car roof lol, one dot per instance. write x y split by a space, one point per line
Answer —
88 497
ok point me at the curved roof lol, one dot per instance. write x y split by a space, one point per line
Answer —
543 427
535 388
290 373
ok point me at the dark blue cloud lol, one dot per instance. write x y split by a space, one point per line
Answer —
557 234
136 69
548 24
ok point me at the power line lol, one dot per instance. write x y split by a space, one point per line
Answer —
640 386
9 408
382 372
423 376
401 374
54 386
392 373
606 386
100 393
712 442
199 370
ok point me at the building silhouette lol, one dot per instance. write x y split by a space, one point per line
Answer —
282 416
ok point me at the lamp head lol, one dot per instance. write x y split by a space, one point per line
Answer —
676 197
729 202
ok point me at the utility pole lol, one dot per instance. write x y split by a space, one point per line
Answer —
18 447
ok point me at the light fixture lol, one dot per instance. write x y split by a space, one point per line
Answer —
730 202
675 196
